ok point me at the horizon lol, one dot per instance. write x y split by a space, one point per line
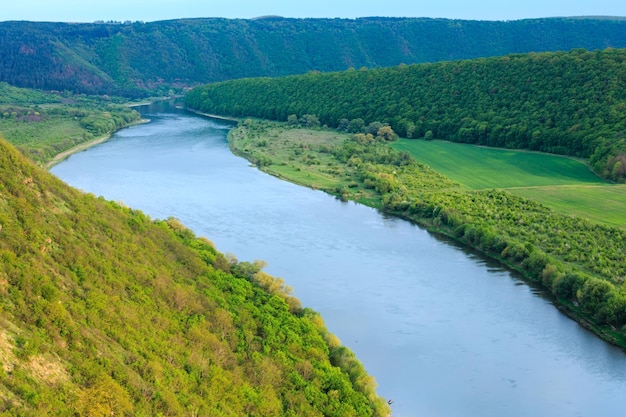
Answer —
129 21
86 11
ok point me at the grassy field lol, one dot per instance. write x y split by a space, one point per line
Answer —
36 135
564 184
291 147
603 204
478 167
42 140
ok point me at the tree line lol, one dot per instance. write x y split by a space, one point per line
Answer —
566 103
138 59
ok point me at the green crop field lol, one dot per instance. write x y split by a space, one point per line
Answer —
603 204
478 167
564 184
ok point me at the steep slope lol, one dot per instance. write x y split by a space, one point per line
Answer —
138 58
105 312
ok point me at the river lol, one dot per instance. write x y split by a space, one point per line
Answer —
445 332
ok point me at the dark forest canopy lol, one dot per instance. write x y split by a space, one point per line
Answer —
104 311
135 59
567 103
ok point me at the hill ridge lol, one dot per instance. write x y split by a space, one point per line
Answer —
138 59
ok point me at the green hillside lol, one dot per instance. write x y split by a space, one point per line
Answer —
43 124
104 311
137 58
565 103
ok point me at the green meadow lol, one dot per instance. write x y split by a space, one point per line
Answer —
603 204
267 142
564 184
479 167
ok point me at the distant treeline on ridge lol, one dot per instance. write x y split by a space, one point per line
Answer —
139 59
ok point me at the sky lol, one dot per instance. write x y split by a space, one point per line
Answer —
151 10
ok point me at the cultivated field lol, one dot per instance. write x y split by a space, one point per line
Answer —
603 204
564 184
479 167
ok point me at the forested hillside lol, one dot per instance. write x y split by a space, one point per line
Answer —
106 312
570 103
136 59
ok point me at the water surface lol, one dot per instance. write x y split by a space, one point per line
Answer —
445 332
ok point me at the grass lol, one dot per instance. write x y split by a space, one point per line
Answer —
478 167
602 204
34 135
41 141
563 184
289 149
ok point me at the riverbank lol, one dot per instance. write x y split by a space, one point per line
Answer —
212 116
567 307
86 145
479 220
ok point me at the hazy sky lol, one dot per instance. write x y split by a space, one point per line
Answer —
150 10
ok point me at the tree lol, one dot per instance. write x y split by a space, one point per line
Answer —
356 126
594 293
386 133
104 398
373 128
310 121
292 120
341 126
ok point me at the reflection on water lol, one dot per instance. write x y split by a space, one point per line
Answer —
444 331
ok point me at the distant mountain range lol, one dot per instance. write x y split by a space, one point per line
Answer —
138 59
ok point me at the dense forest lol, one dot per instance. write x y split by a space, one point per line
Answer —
570 103
104 311
137 59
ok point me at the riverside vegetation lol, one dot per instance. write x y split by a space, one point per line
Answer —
565 103
559 102
104 311
579 262
44 124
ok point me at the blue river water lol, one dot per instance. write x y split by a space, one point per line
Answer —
445 332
